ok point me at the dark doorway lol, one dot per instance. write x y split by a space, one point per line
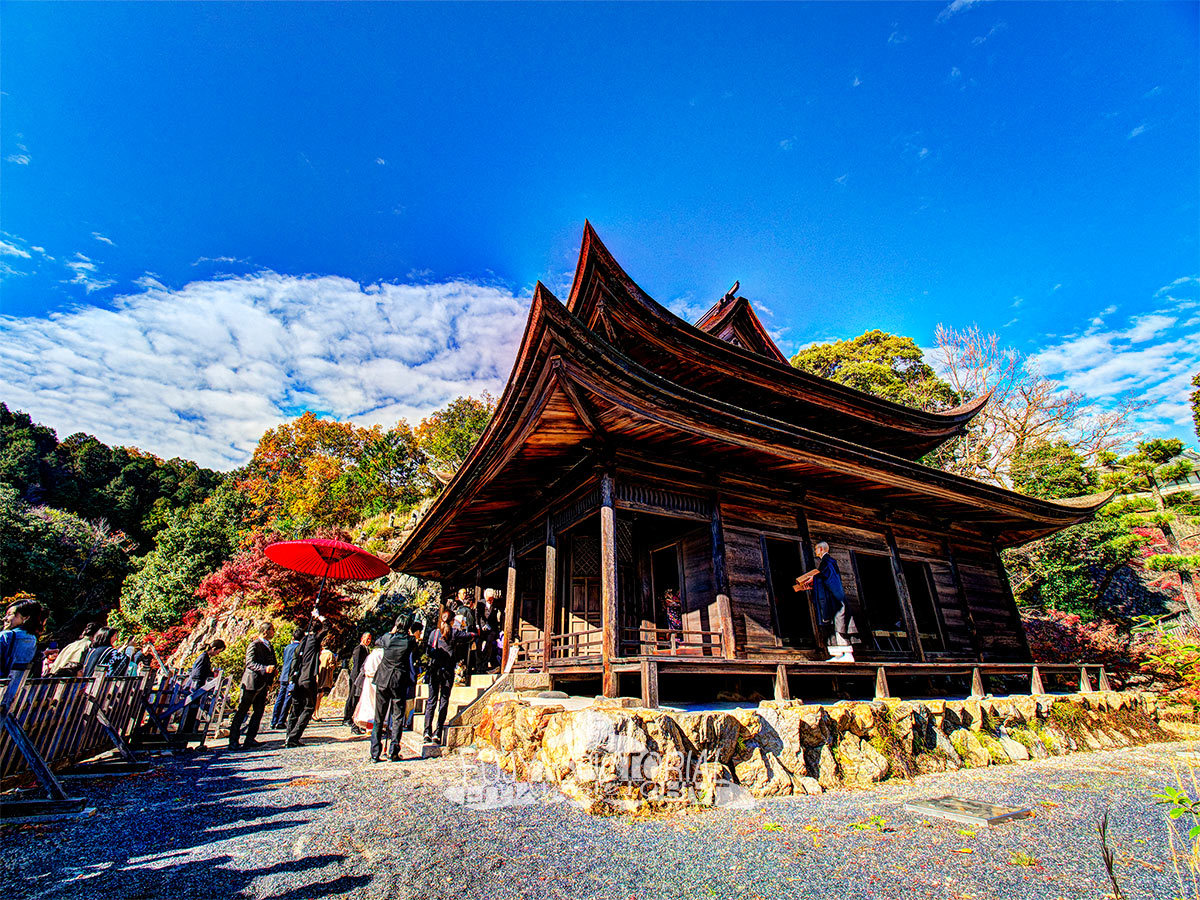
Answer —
583 611
795 619
664 568
881 604
920 587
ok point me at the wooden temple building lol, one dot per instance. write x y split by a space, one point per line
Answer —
632 454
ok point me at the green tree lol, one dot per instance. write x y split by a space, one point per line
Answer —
1053 471
73 566
1146 469
886 365
447 436
194 542
1195 398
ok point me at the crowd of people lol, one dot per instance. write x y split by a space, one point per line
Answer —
461 637
98 649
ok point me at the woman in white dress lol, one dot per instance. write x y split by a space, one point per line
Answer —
364 714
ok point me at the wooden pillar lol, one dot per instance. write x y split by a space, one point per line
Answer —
721 583
910 618
649 683
510 608
968 616
549 607
478 585
609 616
808 559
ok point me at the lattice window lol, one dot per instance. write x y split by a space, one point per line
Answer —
585 556
624 541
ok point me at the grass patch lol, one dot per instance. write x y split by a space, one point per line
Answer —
1066 715
1024 737
1044 735
994 748
1018 858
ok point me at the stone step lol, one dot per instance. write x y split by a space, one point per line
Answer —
456 735
483 681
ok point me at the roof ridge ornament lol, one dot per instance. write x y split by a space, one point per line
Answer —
731 294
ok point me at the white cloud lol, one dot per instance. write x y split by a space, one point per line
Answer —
1150 360
856 81
203 371
842 179
992 32
1140 129
897 36
380 161
102 239
787 143
86 274
956 7
7 249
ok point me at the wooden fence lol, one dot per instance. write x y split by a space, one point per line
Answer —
51 724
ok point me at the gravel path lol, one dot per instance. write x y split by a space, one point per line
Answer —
321 821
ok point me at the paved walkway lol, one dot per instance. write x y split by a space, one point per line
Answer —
322 822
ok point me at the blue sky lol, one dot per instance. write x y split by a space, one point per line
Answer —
377 188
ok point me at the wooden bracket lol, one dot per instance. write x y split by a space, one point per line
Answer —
976 683
1085 683
1105 685
881 684
781 683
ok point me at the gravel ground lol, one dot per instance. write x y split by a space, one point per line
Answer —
321 821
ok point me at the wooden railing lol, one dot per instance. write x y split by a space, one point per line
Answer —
576 644
644 640
529 652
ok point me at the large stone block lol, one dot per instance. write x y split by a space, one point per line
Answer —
859 761
820 764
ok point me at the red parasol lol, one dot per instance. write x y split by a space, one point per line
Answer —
327 558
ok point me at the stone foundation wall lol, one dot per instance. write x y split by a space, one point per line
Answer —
615 756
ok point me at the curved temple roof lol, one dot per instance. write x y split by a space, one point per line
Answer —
572 388
751 371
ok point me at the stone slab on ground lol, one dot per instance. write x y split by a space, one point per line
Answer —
323 822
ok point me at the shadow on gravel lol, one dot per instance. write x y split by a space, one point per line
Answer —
179 832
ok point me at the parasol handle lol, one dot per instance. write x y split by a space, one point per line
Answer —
320 590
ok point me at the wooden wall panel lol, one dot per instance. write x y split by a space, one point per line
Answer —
752 615
958 637
840 535
759 515
995 613
700 612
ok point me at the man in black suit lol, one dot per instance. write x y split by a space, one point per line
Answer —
256 681
305 670
488 618
357 658
199 676
391 689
